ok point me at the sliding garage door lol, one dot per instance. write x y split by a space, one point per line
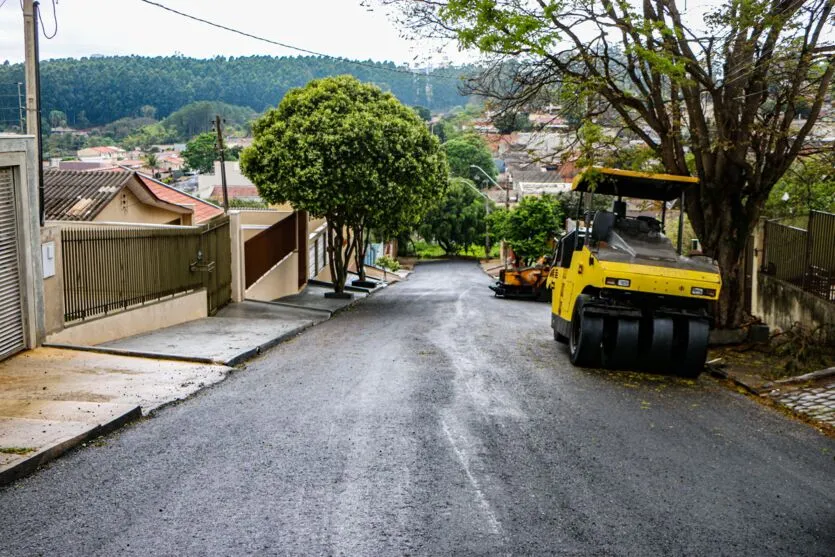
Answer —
11 309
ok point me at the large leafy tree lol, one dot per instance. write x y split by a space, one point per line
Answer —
714 94
348 152
809 185
457 220
465 151
530 227
200 153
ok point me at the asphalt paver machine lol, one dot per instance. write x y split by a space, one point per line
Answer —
623 296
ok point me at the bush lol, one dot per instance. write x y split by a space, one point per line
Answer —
389 263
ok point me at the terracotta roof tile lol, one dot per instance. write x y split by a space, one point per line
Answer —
203 210
234 192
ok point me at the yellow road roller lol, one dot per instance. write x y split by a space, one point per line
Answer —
623 297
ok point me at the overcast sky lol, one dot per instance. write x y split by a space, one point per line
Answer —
343 28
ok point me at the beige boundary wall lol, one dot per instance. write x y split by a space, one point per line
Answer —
281 280
142 319
781 305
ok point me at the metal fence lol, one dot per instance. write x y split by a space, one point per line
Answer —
804 258
109 269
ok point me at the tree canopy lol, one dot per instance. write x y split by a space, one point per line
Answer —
467 150
201 153
529 227
94 91
457 220
348 152
713 93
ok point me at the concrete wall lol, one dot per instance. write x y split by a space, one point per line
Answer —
238 268
126 207
53 287
134 321
19 152
281 280
781 305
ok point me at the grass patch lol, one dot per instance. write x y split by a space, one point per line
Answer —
16 450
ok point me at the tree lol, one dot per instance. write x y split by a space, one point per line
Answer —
509 121
809 185
200 153
152 162
719 104
350 153
457 221
57 119
470 150
423 112
530 227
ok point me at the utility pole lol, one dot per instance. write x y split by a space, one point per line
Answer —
222 151
33 88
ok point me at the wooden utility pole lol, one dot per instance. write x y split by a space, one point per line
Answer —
222 151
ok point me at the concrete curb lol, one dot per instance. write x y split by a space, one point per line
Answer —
722 374
820 374
294 306
347 287
133 353
32 463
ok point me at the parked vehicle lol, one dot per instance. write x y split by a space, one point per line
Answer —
623 295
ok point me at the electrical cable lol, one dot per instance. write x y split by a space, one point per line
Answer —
54 16
291 47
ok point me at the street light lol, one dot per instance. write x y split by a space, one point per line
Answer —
486 210
506 190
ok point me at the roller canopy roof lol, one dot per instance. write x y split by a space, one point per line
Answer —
627 183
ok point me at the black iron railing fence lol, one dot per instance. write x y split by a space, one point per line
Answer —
107 269
805 258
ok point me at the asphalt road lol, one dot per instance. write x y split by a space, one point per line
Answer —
435 419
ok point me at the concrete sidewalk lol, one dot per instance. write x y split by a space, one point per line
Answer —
52 400
55 398
237 333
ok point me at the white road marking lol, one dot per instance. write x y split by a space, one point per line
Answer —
495 527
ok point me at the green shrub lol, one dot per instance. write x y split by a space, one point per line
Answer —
389 263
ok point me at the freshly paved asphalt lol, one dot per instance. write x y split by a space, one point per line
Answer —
435 419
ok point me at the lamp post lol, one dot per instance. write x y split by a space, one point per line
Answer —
487 212
506 190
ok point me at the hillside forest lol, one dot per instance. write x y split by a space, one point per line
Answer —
98 90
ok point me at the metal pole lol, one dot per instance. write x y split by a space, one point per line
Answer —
486 228
680 222
222 163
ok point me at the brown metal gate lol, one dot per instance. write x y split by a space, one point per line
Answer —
215 261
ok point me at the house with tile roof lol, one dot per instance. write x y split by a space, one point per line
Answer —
107 196
203 211
238 185
108 154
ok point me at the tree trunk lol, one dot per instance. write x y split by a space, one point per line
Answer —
338 256
360 251
719 219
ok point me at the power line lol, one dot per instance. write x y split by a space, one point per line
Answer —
291 47
54 16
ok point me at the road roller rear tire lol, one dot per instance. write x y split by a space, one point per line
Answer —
586 337
691 346
620 343
657 337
